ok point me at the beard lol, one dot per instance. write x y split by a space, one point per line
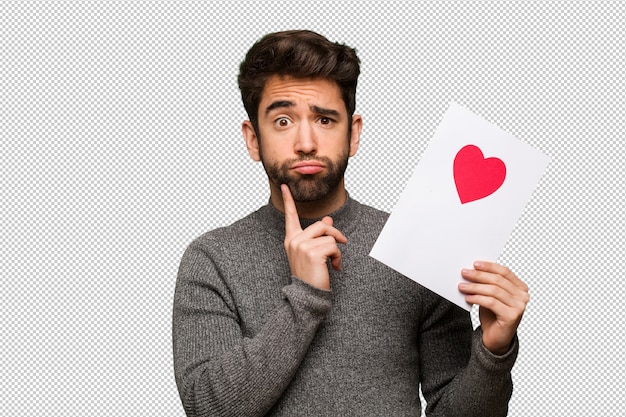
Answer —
311 187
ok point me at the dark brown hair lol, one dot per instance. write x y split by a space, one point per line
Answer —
300 54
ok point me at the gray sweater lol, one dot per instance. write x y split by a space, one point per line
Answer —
251 340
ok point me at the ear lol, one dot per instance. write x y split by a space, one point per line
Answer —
355 135
252 140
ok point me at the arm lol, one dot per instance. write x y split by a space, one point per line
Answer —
459 375
218 371
484 386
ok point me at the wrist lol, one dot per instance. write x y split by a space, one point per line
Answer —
497 349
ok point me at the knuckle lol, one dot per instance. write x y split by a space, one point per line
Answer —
500 293
489 303
507 274
293 245
518 308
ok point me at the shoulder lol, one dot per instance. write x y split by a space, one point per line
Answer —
373 215
369 220
222 241
232 232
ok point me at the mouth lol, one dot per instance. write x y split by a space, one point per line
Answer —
307 167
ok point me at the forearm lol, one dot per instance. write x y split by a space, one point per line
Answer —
483 388
459 376
237 376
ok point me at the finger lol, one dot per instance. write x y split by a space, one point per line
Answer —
497 287
325 246
334 254
495 268
322 248
501 291
339 237
488 278
335 260
292 221
493 292
494 285
499 270
505 313
322 228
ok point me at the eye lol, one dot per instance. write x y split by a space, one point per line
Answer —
325 120
282 122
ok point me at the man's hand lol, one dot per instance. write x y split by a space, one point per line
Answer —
308 249
502 299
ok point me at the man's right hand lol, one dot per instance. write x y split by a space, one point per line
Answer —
308 249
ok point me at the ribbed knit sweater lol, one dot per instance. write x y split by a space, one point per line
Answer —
251 340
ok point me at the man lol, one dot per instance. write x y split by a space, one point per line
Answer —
283 313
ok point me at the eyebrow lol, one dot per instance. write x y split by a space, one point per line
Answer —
278 104
317 109
325 112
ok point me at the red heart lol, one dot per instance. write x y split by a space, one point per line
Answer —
476 177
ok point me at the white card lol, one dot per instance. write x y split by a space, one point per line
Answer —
461 203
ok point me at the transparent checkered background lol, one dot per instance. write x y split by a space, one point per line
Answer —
121 143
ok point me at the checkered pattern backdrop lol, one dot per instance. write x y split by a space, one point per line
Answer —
121 143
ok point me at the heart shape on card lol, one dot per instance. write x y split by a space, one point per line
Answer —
475 176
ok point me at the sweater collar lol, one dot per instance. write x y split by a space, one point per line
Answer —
344 218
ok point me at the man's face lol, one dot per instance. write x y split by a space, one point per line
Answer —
303 139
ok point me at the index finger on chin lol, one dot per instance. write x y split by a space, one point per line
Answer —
292 220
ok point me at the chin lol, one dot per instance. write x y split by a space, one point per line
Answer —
312 192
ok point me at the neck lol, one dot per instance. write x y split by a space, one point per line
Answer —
312 209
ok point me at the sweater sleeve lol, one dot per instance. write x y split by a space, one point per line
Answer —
219 372
459 375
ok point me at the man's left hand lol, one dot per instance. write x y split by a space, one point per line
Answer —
501 297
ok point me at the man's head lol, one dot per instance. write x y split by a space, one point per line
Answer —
299 91
299 54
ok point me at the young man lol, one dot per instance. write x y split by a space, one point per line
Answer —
283 313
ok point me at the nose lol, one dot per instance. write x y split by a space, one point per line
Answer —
306 141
